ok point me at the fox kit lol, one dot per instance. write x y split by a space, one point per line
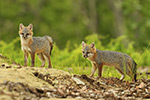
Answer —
121 61
40 45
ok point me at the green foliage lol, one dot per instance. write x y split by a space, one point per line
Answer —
70 59
12 50
75 19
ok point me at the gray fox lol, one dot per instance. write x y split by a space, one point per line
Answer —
121 61
40 45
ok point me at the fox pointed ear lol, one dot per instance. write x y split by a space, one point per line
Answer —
92 45
21 26
30 26
83 44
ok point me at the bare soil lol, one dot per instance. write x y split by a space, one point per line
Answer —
32 83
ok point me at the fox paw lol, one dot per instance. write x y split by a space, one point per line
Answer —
25 65
98 78
49 66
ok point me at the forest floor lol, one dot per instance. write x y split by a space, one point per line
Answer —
36 83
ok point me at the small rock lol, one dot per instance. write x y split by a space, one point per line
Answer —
79 98
84 88
72 93
69 97
48 94
126 91
133 90
102 83
92 95
142 85
27 98
5 82
78 81
61 92
139 91
134 94
77 94
55 82
90 91
147 96
122 93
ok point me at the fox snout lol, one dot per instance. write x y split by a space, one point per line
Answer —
85 56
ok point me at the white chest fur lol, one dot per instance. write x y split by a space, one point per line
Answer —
25 46
94 62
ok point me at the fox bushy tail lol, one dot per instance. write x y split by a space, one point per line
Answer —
134 66
50 42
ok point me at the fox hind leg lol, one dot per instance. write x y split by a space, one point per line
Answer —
121 72
49 62
41 56
100 70
48 59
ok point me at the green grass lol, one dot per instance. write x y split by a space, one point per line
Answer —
70 59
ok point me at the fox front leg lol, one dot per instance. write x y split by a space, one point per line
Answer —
41 56
100 67
94 67
32 59
25 58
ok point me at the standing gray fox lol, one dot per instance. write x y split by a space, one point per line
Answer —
40 45
121 61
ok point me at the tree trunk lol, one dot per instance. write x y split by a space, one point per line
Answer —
116 7
93 16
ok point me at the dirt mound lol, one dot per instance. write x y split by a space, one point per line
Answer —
26 83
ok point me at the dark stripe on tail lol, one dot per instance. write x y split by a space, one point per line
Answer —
134 70
51 48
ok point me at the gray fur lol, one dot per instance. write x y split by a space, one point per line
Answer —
121 61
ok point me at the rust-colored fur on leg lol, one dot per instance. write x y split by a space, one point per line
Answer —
32 59
100 70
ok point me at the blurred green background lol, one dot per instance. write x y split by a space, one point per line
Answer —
119 25
74 19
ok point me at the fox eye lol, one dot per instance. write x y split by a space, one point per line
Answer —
83 52
88 52
27 34
22 33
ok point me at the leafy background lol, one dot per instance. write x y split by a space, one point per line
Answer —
120 25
